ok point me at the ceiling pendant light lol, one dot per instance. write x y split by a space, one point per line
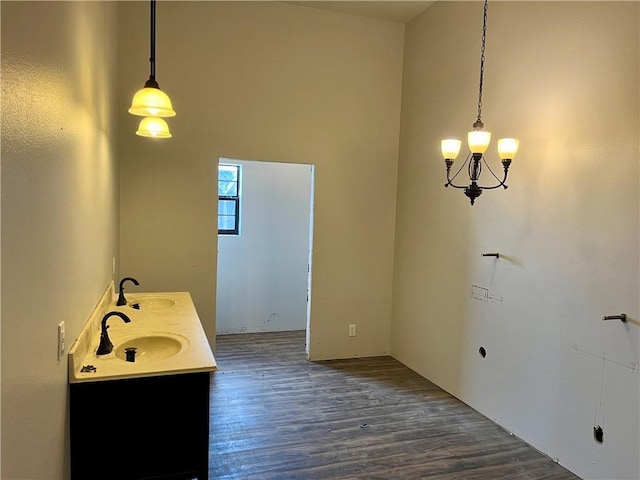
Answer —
478 140
154 127
150 101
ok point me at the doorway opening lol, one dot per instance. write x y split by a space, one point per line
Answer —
265 239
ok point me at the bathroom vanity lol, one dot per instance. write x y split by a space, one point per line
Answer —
143 416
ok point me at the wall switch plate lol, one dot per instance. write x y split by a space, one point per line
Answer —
352 330
61 340
113 266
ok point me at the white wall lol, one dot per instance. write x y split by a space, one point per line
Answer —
563 77
276 82
262 273
59 213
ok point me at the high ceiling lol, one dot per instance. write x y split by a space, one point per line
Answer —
395 11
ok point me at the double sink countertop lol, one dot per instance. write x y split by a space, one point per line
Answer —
165 329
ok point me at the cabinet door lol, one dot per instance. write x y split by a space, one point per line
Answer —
141 429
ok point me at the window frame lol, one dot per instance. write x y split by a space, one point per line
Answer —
232 198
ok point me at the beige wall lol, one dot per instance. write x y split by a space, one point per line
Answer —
276 82
59 213
563 77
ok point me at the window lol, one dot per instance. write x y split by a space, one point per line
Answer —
228 199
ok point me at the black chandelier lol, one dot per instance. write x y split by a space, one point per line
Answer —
478 140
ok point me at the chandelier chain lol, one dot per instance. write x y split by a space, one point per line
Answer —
484 40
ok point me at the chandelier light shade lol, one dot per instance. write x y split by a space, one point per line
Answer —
154 127
478 140
150 101
507 148
450 148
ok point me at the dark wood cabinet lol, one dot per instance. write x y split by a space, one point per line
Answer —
149 428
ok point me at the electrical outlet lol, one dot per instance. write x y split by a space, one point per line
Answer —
61 340
352 330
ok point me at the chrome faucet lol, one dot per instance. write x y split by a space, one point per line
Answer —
105 343
121 300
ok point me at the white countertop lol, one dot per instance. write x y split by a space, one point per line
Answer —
179 320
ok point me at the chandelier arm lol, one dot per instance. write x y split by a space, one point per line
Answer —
450 180
492 173
501 183
461 187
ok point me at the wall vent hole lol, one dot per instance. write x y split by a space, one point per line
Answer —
598 434
483 352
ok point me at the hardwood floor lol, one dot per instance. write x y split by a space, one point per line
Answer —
276 416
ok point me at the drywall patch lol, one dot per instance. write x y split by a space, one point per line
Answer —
479 293
483 294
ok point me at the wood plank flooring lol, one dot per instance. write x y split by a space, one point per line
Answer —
276 416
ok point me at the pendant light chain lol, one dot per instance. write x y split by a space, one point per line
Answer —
484 40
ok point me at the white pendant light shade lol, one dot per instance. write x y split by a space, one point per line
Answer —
151 102
507 148
450 148
153 127
478 141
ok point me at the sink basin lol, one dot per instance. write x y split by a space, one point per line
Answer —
152 347
152 303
